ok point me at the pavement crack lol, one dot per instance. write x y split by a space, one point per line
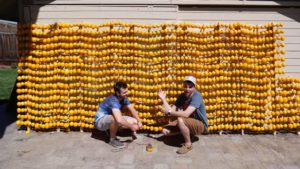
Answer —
21 153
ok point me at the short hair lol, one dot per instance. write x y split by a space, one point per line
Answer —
119 85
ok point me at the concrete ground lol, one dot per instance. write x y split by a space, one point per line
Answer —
86 150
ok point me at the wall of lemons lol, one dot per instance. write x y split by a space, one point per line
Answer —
66 69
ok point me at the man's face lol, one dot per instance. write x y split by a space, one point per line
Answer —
123 93
188 88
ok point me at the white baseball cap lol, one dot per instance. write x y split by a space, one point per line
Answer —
191 79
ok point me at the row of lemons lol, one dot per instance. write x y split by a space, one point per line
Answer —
66 70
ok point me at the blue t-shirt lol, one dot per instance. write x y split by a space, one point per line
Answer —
196 101
109 103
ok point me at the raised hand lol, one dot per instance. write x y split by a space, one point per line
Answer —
161 94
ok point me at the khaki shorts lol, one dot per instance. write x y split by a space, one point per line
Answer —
195 126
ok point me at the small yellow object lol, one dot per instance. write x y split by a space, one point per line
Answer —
27 131
149 147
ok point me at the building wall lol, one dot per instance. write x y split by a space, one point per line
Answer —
205 12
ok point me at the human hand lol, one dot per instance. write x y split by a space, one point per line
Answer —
164 110
140 124
134 127
161 94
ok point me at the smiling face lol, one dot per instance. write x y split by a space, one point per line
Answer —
122 94
188 88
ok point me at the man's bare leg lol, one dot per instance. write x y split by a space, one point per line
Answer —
184 131
113 128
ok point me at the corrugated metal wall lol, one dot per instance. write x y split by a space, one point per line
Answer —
152 14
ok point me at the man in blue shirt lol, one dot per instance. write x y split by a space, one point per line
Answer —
190 112
109 116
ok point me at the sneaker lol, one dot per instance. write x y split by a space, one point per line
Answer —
116 143
184 149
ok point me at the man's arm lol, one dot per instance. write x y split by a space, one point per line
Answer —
135 114
186 113
119 119
163 97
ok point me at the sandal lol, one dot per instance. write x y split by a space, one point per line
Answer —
184 149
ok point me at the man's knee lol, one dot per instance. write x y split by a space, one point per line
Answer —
134 121
180 120
130 120
112 120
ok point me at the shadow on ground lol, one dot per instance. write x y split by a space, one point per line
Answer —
8 112
100 135
124 134
175 140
